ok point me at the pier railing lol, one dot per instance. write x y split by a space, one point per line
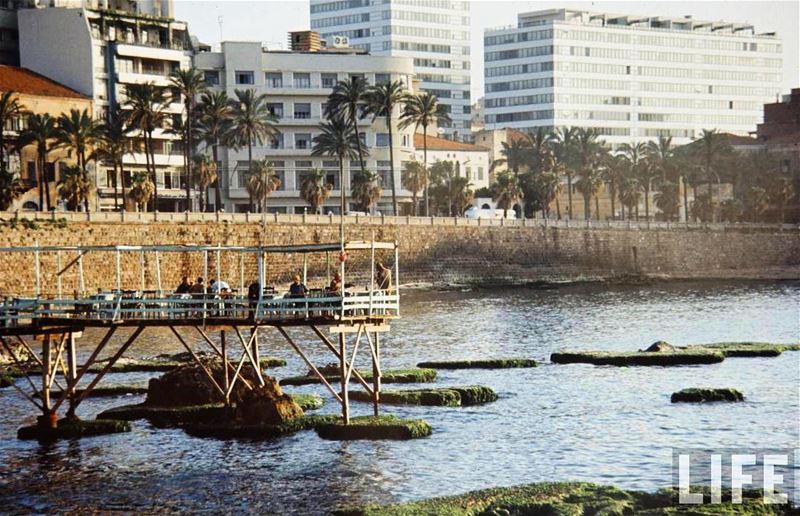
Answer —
309 218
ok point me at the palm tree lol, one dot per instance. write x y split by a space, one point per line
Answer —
78 131
10 108
215 115
148 111
75 188
779 190
515 155
635 156
10 189
648 172
381 101
415 180
206 175
540 150
348 102
337 139
614 167
711 147
548 184
314 190
421 111
113 145
261 182
506 191
40 132
252 122
188 83
590 153
661 155
668 200
142 189
564 145
588 185
366 190
629 194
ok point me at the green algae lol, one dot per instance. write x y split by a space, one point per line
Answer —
234 431
374 427
389 376
746 349
678 357
435 397
168 416
700 395
73 429
308 401
496 363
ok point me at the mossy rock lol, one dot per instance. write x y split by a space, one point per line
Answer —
496 363
168 416
6 381
106 392
159 365
374 427
746 349
566 499
308 401
234 431
678 357
475 394
74 428
696 395
436 397
389 376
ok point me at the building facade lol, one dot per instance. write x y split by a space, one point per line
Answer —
631 78
37 95
297 85
97 51
470 161
434 33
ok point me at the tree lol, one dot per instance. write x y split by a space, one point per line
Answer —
668 200
614 167
261 182
590 153
142 189
347 101
634 153
214 125
548 184
415 180
206 175
564 146
40 132
730 210
10 189
381 101
10 108
339 140
506 191
78 131
515 154
113 145
188 84
366 190
252 123
756 201
702 209
711 147
629 193
75 187
450 193
421 111
148 111
779 190
314 190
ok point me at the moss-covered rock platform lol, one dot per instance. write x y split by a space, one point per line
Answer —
491 363
73 428
746 349
238 431
697 395
374 427
168 416
411 375
308 401
107 391
131 365
569 499
437 397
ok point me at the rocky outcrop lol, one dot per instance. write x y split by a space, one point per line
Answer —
706 395
660 346
265 405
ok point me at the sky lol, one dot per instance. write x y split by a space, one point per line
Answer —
269 21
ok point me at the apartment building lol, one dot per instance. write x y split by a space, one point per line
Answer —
298 84
99 48
434 33
631 78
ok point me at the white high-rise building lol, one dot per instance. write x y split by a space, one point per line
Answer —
97 50
632 78
297 85
435 33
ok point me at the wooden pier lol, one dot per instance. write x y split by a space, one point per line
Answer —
344 321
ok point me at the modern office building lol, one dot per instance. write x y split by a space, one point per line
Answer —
298 84
631 78
435 33
9 32
100 48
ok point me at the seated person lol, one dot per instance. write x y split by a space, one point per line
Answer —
335 286
219 287
184 287
297 288
198 289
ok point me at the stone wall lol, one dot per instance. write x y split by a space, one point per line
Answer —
429 254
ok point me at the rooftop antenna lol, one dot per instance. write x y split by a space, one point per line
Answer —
219 21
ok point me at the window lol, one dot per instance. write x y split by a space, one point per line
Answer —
280 170
152 67
302 110
381 78
385 173
301 168
405 140
466 110
276 142
211 77
274 79
302 141
275 109
382 140
244 77
329 80
302 80
480 174
331 169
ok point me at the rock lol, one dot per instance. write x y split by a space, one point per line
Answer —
706 395
492 363
189 385
375 427
19 351
250 432
264 405
678 357
73 428
308 401
436 397
660 347
412 375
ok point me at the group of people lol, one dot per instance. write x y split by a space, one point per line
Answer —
198 288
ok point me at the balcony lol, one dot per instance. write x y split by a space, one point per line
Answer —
151 52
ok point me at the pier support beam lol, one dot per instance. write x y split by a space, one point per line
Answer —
343 373
46 420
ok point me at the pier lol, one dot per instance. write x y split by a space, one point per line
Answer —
344 320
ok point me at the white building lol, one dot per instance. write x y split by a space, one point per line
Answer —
632 78
97 52
298 84
470 161
435 33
